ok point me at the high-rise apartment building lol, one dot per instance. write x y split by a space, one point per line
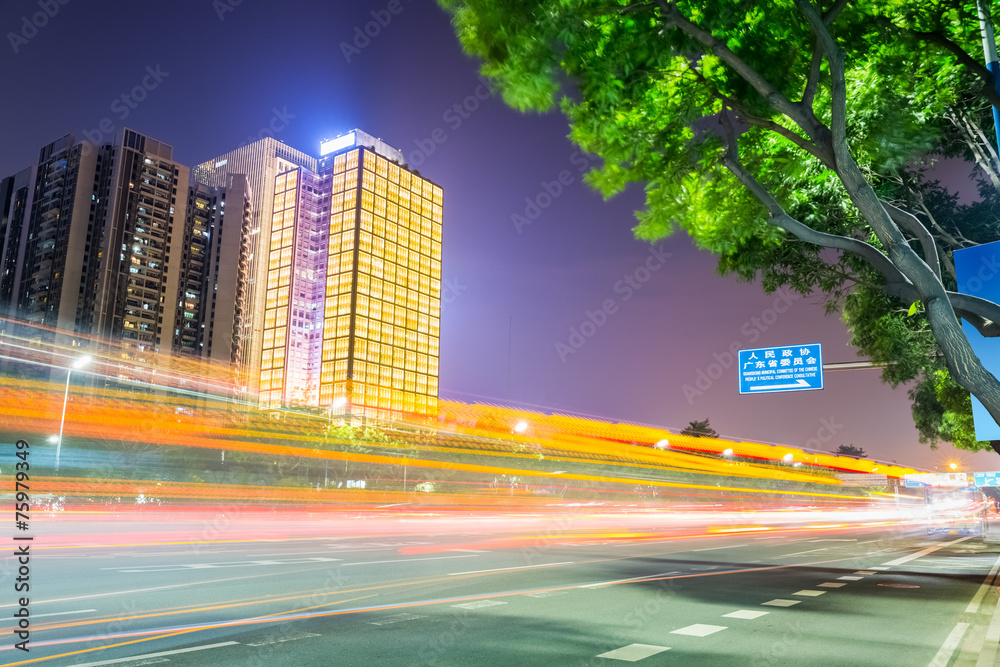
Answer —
15 212
99 240
353 300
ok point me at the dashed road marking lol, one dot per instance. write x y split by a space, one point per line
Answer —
924 552
850 578
781 603
504 569
746 613
63 613
479 604
396 618
880 567
831 584
280 638
866 572
809 593
116 661
634 652
698 630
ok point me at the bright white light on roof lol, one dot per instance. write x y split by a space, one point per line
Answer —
337 144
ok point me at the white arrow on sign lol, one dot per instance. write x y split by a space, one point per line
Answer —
798 384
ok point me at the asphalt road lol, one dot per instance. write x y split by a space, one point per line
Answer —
498 589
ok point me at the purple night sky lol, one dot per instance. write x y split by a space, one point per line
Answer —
230 71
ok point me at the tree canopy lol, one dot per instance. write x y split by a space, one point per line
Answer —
789 137
700 429
851 450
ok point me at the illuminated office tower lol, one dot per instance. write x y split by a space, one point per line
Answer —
293 313
260 162
379 261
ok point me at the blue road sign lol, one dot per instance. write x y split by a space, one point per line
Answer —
786 368
987 478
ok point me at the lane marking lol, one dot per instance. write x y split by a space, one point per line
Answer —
850 578
831 584
809 593
698 630
224 564
405 560
880 567
624 581
507 569
924 552
634 652
153 655
866 572
270 640
479 604
735 546
63 613
943 656
397 618
987 584
800 553
781 603
746 613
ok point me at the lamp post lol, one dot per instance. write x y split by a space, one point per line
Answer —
79 363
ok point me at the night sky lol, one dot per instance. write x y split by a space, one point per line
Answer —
212 76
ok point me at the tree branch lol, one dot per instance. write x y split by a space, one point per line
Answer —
977 311
673 16
911 223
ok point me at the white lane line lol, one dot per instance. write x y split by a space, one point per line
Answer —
850 578
745 613
866 572
623 581
63 613
634 652
840 540
943 656
153 655
224 564
269 640
734 546
479 604
831 584
404 560
397 618
924 552
802 553
809 593
879 567
698 630
507 569
781 603
978 598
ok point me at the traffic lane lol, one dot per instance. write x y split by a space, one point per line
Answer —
436 585
473 591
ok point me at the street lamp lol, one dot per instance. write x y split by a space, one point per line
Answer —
521 426
79 363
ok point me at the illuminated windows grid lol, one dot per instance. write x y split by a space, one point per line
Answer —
385 253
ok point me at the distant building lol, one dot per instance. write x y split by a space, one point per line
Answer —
259 162
98 243
346 272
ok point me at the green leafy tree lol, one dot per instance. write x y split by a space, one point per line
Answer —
785 130
851 450
700 429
